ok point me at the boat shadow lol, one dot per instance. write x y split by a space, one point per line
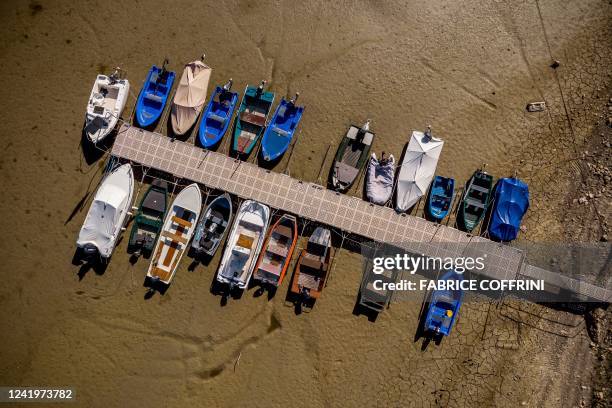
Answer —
359 310
153 286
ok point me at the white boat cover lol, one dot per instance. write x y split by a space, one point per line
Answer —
417 169
379 185
108 211
190 96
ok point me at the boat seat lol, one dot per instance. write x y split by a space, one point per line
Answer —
312 263
281 132
346 173
217 118
479 188
253 119
181 221
153 97
270 268
174 237
284 231
475 203
277 250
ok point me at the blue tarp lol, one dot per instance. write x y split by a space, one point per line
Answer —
511 201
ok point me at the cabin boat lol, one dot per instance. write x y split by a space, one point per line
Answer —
277 136
106 102
107 214
444 307
244 244
277 251
440 198
149 219
213 225
190 96
379 183
217 116
176 232
351 157
251 119
312 267
474 200
153 96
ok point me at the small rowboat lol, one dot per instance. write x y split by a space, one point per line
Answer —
280 131
444 306
154 94
351 157
212 226
474 200
178 229
312 266
107 214
149 219
190 96
251 119
217 116
379 183
277 251
243 244
106 102
440 198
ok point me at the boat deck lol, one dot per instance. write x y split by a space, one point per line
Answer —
350 214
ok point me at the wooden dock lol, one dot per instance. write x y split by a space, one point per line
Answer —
350 214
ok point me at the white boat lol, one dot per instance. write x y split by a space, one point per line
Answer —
244 244
178 228
379 183
106 102
417 169
190 96
108 213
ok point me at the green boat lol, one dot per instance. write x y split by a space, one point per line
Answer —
474 201
251 119
149 219
352 155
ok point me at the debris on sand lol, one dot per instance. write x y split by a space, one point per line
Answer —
536 106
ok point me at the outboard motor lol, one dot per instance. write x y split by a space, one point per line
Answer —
90 251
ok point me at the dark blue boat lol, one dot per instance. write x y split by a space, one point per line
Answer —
217 116
444 306
510 203
279 132
153 95
440 198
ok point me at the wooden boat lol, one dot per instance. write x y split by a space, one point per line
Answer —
178 229
312 266
351 157
149 219
107 214
190 96
417 169
440 198
213 225
106 102
243 244
154 94
444 306
510 203
474 200
217 116
280 131
277 251
251 119
379 183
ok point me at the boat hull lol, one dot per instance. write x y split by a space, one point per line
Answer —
106 103
251 119
213 226
351 158
279 133
217 117
439 198
277 251
153 96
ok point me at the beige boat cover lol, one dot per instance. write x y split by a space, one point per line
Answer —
190 96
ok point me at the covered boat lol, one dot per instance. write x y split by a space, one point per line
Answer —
444 306
510 203
312 267
243 244
251 119
474 200
277 251
190 96
417 169
106 102
107 214
217 116
280 131
154 94
149 219
440 198
178 229
351 156
379 183
212 226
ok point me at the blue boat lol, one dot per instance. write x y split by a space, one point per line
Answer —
154 94
218 115
444 306
440 198
510 203
278 134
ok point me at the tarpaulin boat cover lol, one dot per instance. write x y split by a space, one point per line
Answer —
417 169
511 201
190 96
379 184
